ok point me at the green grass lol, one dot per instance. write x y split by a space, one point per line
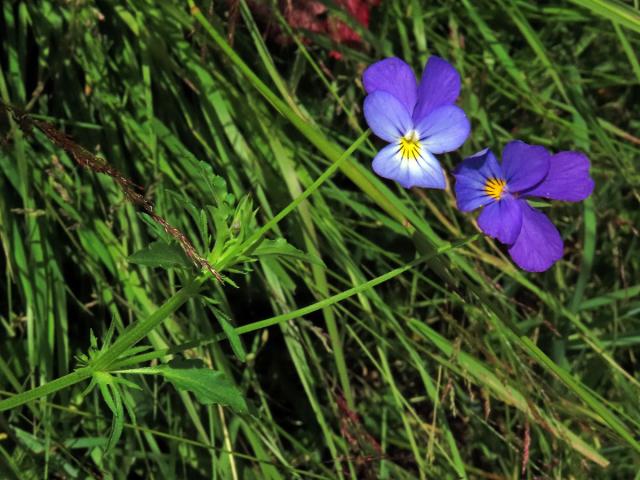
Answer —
370 330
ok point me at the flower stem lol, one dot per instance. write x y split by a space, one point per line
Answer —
130 337
46 389
139 330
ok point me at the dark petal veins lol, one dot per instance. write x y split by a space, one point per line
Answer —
471 177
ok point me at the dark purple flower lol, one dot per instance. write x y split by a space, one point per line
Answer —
417 120
526 171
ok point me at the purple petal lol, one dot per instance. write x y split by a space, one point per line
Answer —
524 165
440 85
568 178
444 129
539 244
394 76
424 172
471 176
502 219
386 116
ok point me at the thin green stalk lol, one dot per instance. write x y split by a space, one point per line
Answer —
347 293
613 10
139 330
46 389
609 417
129 338
254 239
318 272
301 312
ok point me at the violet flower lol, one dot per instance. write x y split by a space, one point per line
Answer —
418 121
526 171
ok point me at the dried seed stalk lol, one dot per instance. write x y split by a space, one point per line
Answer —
134 193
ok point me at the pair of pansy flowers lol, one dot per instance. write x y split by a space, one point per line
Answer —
420 120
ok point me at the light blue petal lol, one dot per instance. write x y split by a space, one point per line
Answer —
424 172
388 161
386 116
444 129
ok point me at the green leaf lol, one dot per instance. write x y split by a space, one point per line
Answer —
161 254
281 248
112 397
209 386
217 185
232 336
539 203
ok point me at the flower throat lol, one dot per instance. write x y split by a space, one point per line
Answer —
410 146
494 187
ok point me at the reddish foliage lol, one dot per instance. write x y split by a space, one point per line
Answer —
313 16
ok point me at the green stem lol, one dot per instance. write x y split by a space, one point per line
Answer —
319 275
130 337
301 312
254 239
139 330
46 389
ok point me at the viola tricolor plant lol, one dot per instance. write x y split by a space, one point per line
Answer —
526 171
418 120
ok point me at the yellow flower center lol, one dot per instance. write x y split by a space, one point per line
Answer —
494 187
410 146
